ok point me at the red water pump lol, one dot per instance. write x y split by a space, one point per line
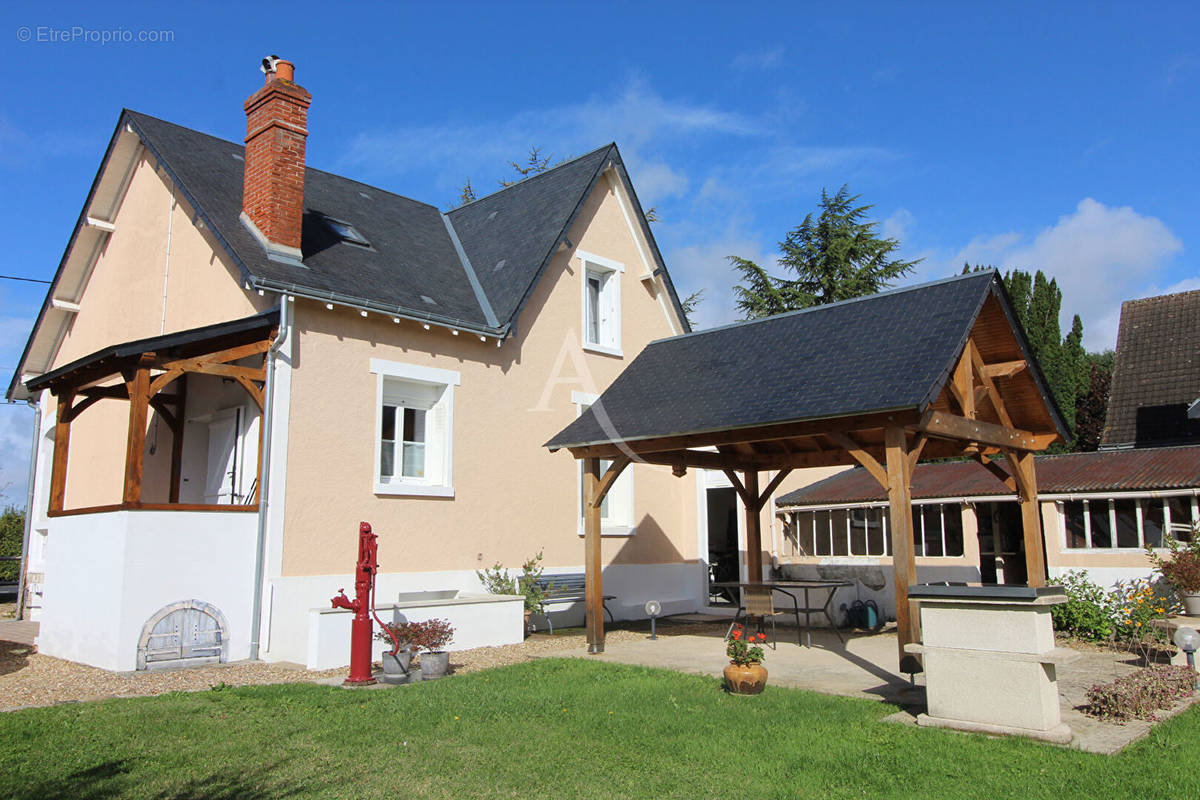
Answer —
362 606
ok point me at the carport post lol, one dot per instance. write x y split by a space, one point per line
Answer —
594 589
900 521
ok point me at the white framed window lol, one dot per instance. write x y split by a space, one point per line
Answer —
616 510
1126 523
414 429
601 303
863 531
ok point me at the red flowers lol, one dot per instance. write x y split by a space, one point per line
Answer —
742 649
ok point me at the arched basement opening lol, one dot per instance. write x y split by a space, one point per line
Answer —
184 634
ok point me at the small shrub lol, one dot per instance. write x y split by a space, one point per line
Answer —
1087 614
1139 695
1182 569
498 580
430 635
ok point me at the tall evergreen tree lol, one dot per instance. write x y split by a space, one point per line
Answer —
836 256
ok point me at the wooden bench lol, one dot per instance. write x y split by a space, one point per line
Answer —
568 588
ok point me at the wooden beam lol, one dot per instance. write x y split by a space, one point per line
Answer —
117 392
758 433
1031 521
904 565
992 392
223 370
914 452
160 381
961 383
772 486
999 471
951 426
177 434
753 528
219 357
593 578
253 389
740 488
1003 369
62 444
861 455
607 480
163 411
135 453
83 405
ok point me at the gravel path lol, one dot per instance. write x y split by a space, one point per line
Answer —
29 679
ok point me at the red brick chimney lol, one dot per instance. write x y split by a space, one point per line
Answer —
276 130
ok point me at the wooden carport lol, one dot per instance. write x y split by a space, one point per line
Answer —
139 372
934 371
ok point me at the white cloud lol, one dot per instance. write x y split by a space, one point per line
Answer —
16 430
706 266
1100 255
758 59
656 181
635 116
897 225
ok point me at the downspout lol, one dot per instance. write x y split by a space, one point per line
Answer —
33 456
260 548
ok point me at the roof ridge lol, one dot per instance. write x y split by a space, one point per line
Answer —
529 178
1171 296
811 309
307 167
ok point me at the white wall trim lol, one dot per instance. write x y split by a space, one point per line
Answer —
414 372
600 261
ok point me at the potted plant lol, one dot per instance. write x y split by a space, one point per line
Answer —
400 636
1182 569
497 580
430 637
745 673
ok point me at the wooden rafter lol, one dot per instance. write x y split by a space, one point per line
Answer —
989 386
997 470
610 476
1004 369
951 426
861 455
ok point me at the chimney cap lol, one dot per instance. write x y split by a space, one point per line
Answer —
275 67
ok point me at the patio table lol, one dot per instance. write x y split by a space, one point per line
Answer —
787 588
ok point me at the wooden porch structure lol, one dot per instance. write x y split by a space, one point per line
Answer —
139 372
988 400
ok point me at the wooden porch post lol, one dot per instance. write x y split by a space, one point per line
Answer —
139 408
900 520
177 439
62 444
1031 518
593 580
753 527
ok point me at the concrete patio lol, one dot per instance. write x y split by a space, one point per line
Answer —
867 666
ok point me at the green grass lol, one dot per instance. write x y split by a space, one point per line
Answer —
555 728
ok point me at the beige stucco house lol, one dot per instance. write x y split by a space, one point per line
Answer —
241 357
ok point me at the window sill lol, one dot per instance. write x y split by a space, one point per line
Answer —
616 531
414 489
603 349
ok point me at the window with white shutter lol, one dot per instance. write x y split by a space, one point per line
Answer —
601 303
414 429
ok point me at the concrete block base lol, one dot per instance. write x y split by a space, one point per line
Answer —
1059 734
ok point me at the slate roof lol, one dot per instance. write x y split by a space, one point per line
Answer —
1070 473
413 267
889 351
1156 375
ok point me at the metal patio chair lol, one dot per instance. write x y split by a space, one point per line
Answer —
757 603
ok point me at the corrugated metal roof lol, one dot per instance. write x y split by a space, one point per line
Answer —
1104 471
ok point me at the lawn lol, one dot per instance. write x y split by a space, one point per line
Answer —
551 728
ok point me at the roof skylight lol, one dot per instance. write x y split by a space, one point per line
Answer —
346 232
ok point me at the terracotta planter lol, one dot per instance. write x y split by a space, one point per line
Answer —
1191 604
749 679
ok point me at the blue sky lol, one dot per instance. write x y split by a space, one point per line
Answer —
1058 138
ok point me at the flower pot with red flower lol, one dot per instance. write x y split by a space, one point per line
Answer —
745 673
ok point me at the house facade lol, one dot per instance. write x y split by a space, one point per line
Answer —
241 357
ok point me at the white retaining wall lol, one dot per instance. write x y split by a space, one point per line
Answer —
108 573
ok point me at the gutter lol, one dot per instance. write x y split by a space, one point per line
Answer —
260 546
33 456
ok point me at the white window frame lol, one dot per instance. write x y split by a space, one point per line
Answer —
620 497
1171 526
432 485
610 272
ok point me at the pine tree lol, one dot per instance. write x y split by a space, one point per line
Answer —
836 256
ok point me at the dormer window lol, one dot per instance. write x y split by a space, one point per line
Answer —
346 232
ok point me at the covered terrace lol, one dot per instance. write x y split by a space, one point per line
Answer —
156 375
933 371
